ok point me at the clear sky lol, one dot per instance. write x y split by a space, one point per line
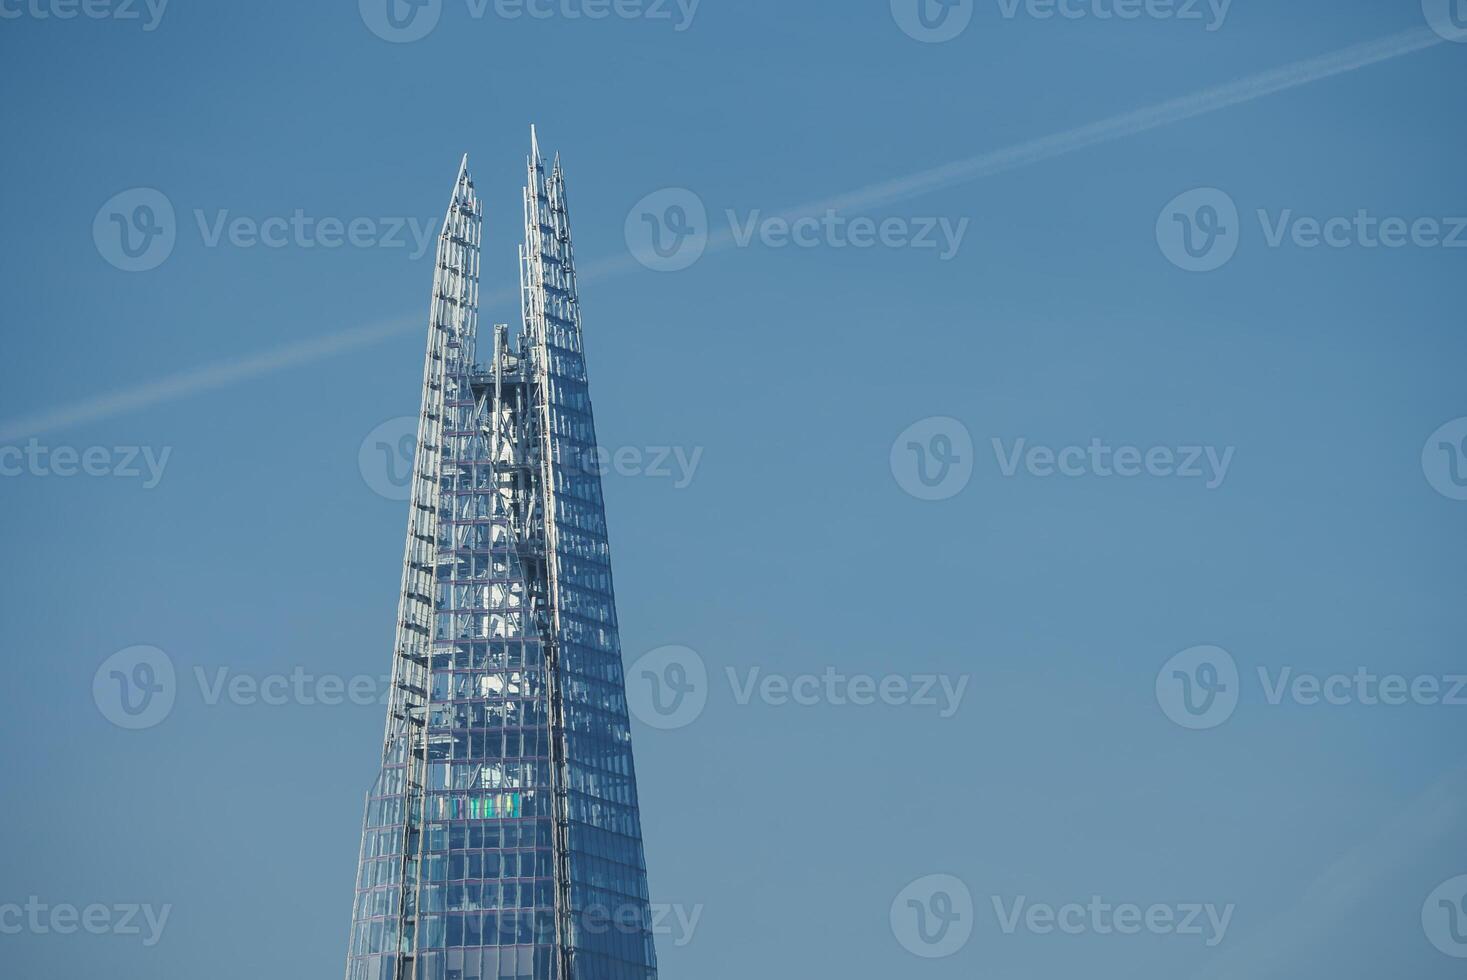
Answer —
1103 301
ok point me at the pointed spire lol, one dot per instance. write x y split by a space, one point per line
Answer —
534 146
463 194
464 181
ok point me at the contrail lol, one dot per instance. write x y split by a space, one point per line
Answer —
1247 89
1331 898
1186 107
203 378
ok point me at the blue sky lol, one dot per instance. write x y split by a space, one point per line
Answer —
799 542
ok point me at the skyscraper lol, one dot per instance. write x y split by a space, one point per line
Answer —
502 837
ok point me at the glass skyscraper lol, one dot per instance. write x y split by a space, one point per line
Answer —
502 838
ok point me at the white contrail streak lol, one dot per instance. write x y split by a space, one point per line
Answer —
202 378
1186 107
1421 828
1247 89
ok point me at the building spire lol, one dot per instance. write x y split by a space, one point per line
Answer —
463 199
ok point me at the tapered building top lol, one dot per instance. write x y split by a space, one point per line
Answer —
504 827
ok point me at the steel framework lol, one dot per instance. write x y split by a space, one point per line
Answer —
502 838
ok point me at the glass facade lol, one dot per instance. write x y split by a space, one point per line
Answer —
607 875
502 838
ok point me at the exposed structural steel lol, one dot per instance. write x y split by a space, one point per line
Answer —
502 837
